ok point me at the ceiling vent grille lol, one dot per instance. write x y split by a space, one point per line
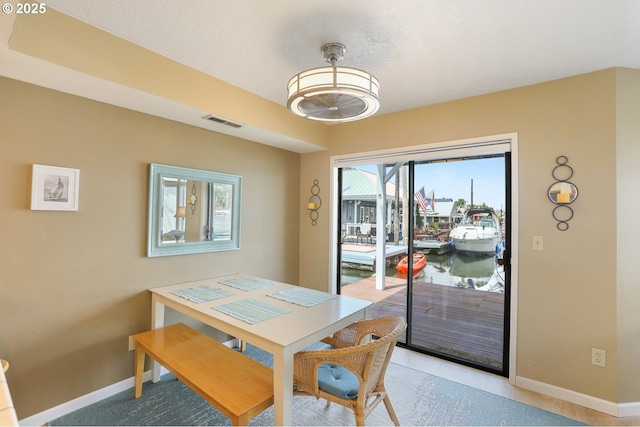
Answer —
222 121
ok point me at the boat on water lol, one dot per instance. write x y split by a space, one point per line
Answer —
419 262
482 273
477 233
495 282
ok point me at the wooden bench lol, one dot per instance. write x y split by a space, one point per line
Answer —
237 385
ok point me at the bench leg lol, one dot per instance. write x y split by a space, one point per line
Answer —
138 370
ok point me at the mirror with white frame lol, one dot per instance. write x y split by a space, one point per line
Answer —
192 211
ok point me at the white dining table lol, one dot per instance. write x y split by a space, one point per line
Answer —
8 415
279 318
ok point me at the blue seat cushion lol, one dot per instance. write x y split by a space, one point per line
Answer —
337 380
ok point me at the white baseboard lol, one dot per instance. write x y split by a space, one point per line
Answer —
629 409
65 408
600 405
44 417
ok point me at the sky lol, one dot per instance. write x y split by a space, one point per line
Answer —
452 180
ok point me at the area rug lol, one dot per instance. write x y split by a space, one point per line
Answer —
418 398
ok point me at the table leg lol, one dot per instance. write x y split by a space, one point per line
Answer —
157 321
367 313
283 387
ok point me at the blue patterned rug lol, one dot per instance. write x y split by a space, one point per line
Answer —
418 398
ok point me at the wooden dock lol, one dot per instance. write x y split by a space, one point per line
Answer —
432 245
438 242
363 257
457 322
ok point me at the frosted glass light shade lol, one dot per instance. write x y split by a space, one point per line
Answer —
333 94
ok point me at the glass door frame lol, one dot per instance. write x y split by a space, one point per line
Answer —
504 371
496 144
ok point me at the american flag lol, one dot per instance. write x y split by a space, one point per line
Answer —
425 200
422 199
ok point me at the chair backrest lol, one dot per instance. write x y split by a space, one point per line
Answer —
357 333
378 351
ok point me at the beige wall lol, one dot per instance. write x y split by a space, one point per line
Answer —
570 293
73 284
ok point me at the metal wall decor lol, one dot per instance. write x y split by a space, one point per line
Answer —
314 203
562 192
193 199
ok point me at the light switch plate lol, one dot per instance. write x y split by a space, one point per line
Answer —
537 243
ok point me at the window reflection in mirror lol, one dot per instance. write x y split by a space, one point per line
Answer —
192 211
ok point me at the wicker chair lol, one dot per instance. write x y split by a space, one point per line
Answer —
355 357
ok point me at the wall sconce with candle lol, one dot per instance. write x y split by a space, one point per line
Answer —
562 192
314 203
193 199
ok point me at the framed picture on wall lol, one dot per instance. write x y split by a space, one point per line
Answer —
54 188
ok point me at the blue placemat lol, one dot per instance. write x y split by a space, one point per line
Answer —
248 283
202 293
302 296
251 311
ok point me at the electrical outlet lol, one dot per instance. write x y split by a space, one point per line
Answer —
598 357
132 343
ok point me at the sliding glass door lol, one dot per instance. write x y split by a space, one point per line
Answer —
457 308
374 226
426 240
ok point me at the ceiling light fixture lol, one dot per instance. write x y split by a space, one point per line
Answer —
333 94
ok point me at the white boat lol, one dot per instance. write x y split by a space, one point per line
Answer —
496 281
478 232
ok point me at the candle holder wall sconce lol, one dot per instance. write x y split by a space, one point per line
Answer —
193 200
562 193
314 203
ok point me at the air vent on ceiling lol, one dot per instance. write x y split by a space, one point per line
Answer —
222 121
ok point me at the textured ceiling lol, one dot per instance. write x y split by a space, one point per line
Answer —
422 51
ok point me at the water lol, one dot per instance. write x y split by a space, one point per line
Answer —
450 269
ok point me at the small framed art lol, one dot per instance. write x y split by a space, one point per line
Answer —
54 188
